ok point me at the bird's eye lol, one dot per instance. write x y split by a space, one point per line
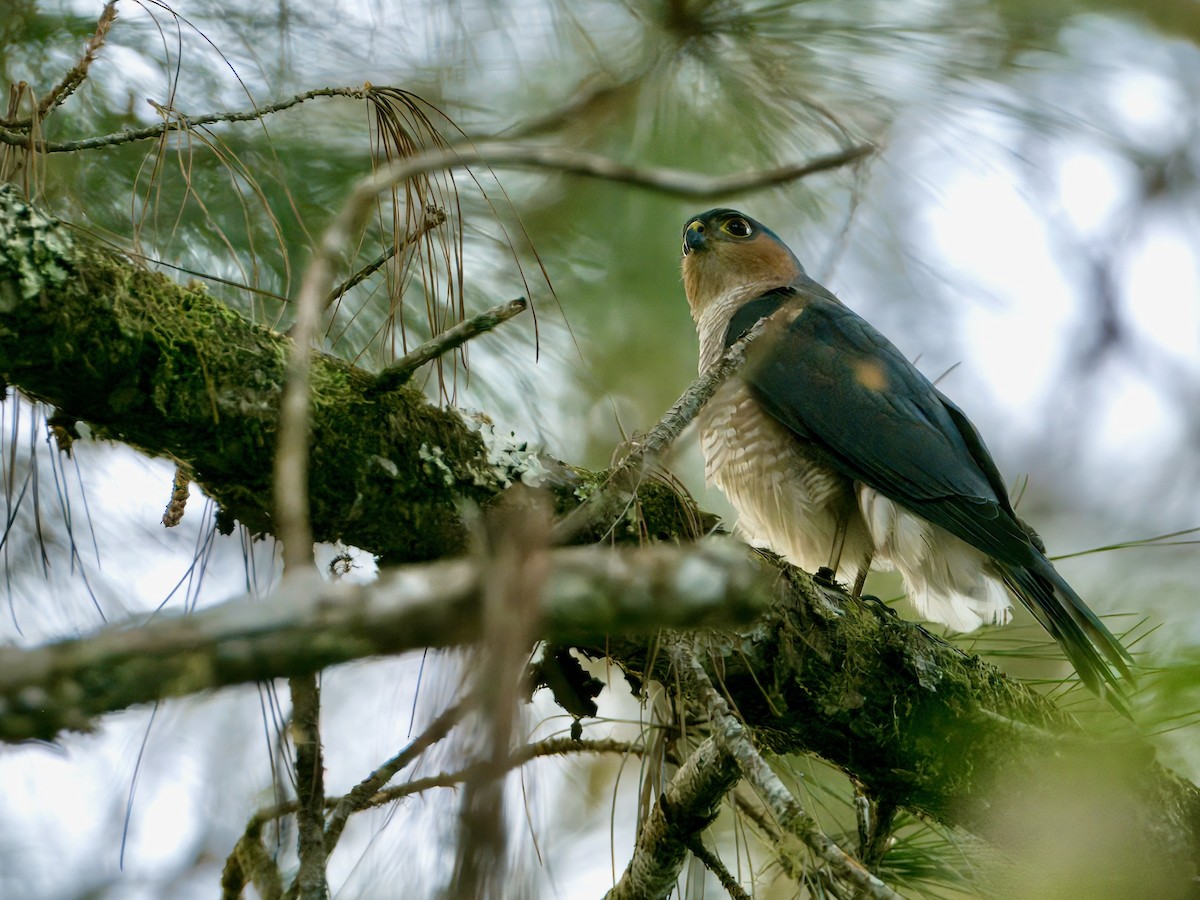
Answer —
738 227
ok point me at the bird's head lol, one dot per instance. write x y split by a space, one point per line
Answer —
728 256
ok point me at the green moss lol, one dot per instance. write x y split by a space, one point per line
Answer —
177 373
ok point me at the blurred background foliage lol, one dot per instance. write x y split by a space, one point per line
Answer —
1028 226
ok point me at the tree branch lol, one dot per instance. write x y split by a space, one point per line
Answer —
249 861
173 121
309 624
455 336
78 72
713 863
689 805
624 478
360 796
176 373
310 788
434 218
946 736
733 739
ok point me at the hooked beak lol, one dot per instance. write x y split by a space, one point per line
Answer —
694 237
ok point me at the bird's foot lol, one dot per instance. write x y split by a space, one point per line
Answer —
826 575
879 604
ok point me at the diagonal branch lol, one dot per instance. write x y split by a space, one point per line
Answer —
455 336
689 805
250 863
713 863
733 739
434 218
78 72
359 797
624 478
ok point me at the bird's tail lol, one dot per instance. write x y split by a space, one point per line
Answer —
1097 656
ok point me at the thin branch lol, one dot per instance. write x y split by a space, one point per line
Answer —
290 481
175 121
687 806
248 862
360 795
514 543
733 737
713 863
523 755
401 371
78 72
494 769
626 474
434 218
675 182
310 788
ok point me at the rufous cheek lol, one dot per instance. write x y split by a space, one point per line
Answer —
760 260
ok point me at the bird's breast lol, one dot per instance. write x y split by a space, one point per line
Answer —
786 499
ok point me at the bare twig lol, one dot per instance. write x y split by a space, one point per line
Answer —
361 794
175 121
402 369
291 450
625 476
236 869
493 769
523 755
713 863
590 165
734 739
434 218
249 862
61 91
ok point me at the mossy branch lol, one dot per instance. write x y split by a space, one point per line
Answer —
176 373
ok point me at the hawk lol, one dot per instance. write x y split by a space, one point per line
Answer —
836 452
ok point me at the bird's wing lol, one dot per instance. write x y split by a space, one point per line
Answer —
836 381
